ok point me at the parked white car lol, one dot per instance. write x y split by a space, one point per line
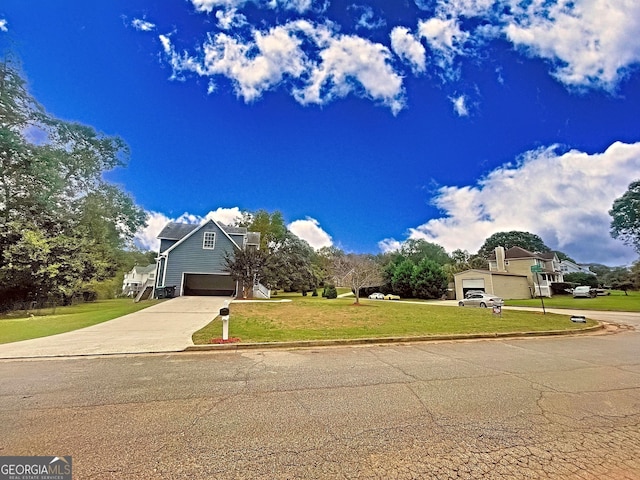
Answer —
583 291
480 299
376 296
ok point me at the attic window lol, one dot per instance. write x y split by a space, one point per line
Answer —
209 240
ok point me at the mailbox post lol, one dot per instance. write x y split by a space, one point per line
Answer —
224 314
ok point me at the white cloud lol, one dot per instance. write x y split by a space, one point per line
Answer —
344 64
228 216
142 25
460 105
408 48
299 6
209 5
591 42
367 18
310 231
564 199
351 64
228 19
278 55
3 25
445 38
456 9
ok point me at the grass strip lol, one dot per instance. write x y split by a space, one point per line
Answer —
617 301
321 319
50 321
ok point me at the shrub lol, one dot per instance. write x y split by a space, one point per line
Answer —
331 292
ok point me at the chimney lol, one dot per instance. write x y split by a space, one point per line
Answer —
500 259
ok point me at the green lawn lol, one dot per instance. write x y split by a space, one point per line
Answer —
316 318
20 326
616 301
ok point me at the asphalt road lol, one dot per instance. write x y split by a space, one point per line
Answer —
561 408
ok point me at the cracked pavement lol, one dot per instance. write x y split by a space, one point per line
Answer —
553 408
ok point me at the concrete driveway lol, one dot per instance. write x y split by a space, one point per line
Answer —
166 327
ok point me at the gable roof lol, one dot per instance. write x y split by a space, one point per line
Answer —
176 231
194 229
145 269
517 252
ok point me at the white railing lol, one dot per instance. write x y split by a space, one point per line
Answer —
261 291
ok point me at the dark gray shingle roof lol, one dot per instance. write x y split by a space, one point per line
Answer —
176 231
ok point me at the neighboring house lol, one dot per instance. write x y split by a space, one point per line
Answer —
192 258
567 266
510 274
135 279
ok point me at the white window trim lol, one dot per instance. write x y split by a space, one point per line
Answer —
205 237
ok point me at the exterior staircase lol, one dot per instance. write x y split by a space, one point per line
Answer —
145 291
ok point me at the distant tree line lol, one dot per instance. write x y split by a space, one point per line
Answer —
418 269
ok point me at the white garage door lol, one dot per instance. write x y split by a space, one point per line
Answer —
472 284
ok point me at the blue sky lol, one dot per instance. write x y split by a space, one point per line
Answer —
364 123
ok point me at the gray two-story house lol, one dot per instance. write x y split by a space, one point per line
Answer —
192 258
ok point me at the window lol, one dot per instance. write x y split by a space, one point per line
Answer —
209 240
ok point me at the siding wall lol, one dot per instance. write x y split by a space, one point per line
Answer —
509 287
190 257
522 267
164 244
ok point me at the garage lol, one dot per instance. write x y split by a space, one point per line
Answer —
505 285
208 284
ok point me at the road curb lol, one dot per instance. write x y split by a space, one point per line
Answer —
386 340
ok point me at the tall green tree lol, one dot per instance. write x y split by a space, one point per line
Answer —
429 279
289 265
59 218
526 240
271 226
418 249
625 214
402 278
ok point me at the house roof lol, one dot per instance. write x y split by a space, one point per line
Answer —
181 231
517 252
490 272
176 231
148 269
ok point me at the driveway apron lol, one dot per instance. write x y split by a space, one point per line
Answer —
165 327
